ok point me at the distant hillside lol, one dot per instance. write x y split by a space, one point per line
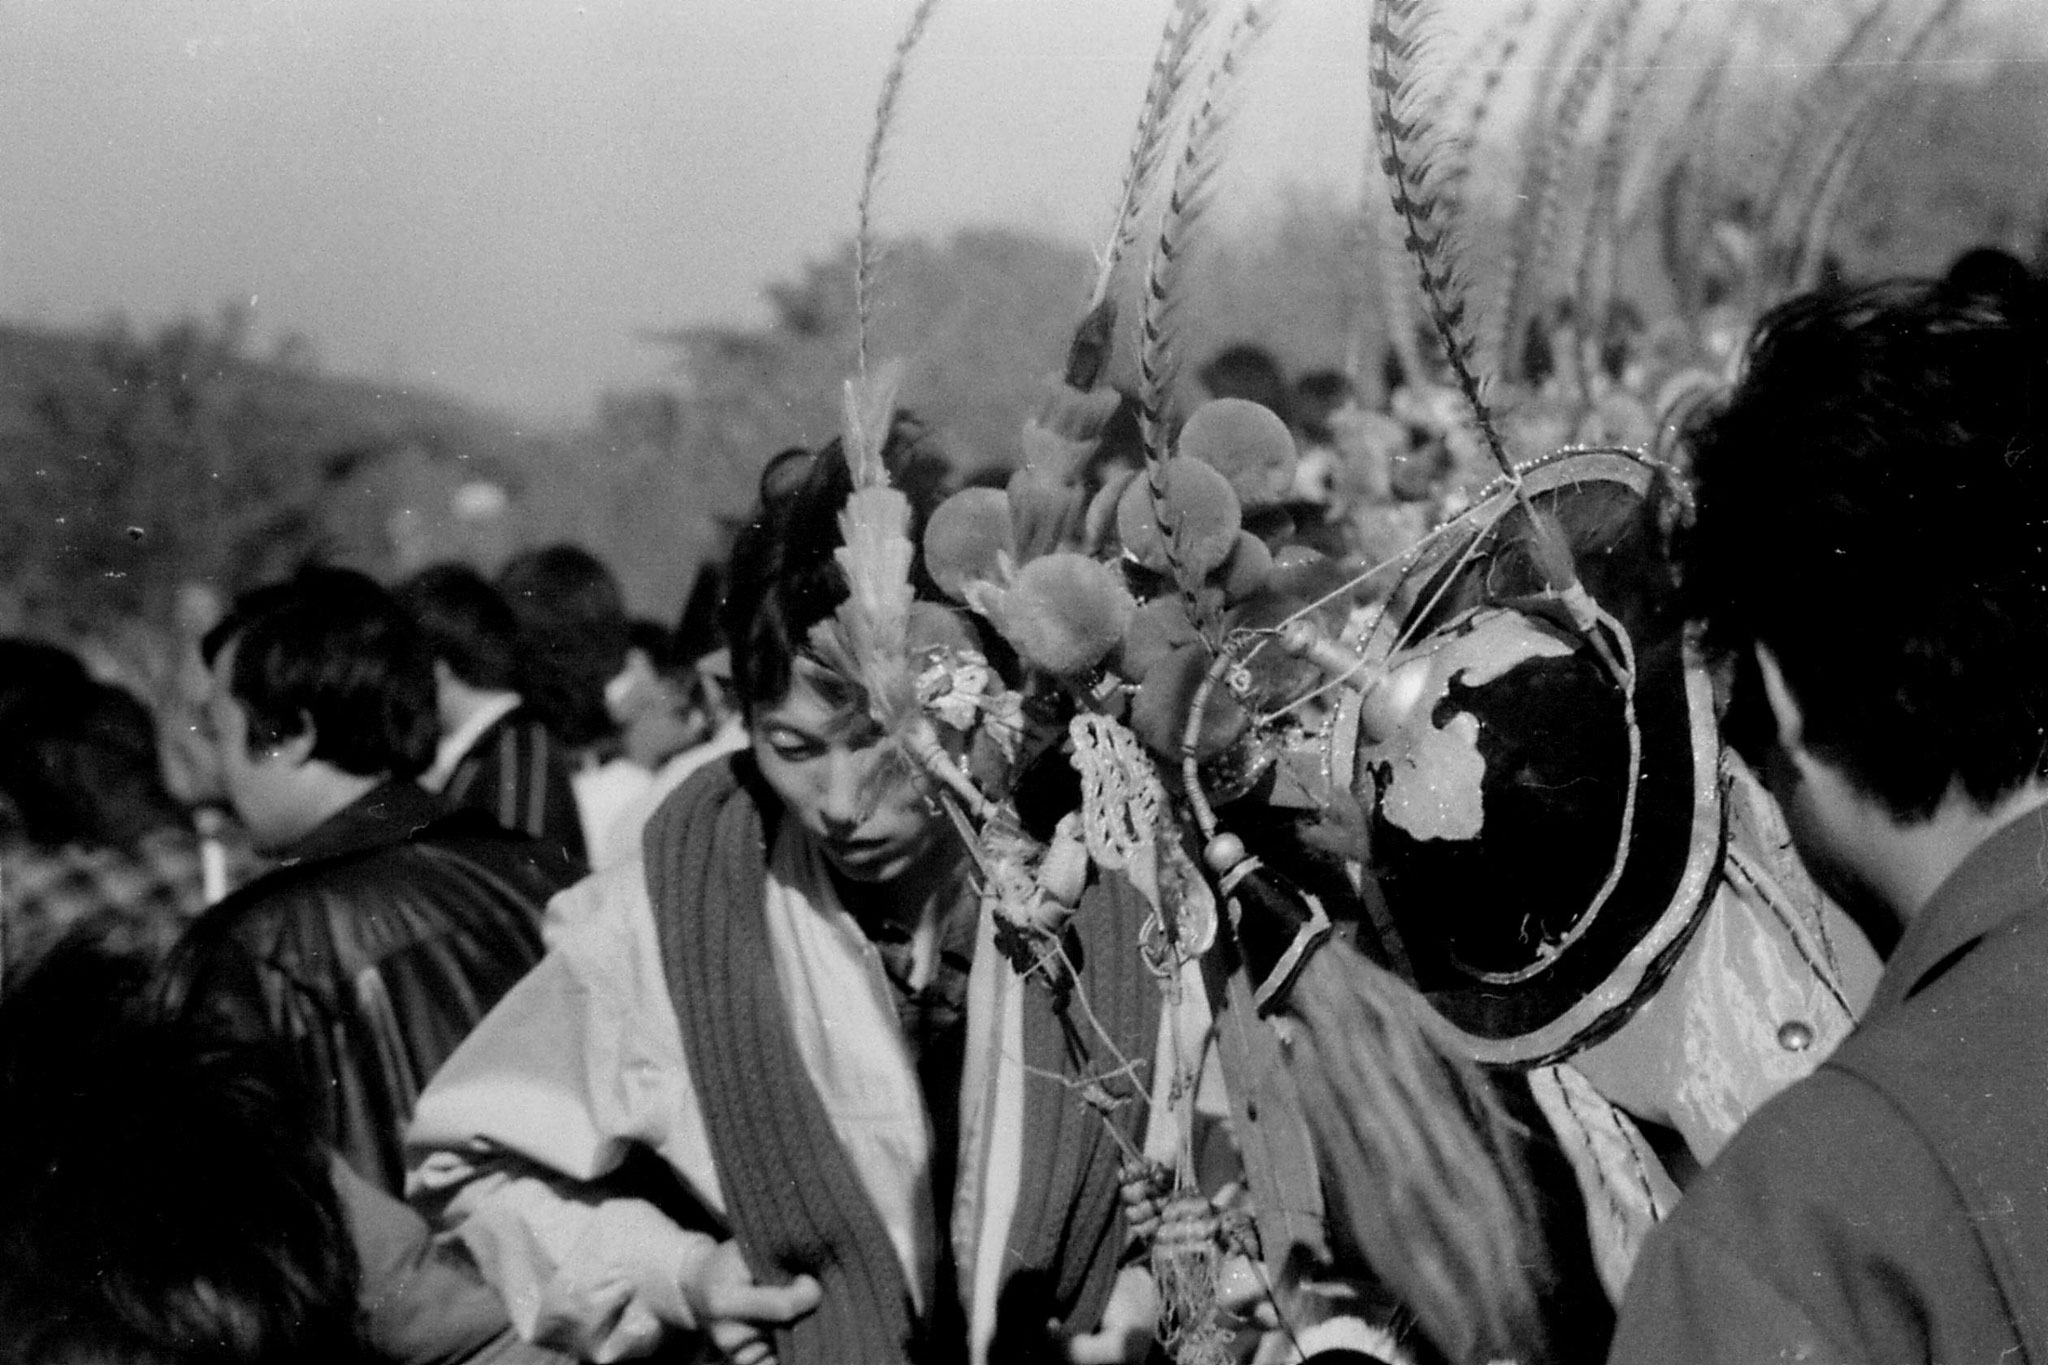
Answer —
136 464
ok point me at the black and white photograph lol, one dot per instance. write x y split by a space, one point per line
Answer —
1023 682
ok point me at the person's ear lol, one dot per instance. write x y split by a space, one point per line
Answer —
297 748
1788 719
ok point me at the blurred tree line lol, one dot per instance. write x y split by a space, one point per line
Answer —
137 464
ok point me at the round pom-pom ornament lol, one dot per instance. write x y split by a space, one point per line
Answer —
1160 627
1246 443
965 539
1159 712
1201 514
1249 567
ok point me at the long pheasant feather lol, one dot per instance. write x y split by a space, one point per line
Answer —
1667 187
1822 101
1410 156
1493 59
1535 245
1194 179
1167 91
1602 228
866 246
1815 209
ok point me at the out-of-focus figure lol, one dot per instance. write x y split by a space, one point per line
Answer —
393 925
495 754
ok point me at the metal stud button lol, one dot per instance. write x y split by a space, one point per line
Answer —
1795 1036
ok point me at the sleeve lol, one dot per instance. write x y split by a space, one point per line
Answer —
422 1302
519 1139
1827 1231
1691 1301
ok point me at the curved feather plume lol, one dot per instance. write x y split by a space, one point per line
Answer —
875 553
1413 165
1602 227
1816 208
1385 237
866 248
1667 187
1167 92
1194 179
1535 240
1493 57
1817 104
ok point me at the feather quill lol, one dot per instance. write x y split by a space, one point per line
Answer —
875 554
866 247
1413 163
1167 91
1194 180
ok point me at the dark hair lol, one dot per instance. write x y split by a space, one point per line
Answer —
1318 394
331 648
79 761
1873 506
1249 371
783 578
466 624
572 637
163 1199
698 630
1988 273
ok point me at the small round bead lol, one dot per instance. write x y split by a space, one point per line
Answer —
1795 1036
1224 852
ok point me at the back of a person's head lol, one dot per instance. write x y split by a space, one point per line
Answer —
573 636
467 624
79 764
332 648
1873 507
1989 273
33 670
1249 371
1318 394
698 630
783 578
163 1200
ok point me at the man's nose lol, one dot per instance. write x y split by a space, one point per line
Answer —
846 781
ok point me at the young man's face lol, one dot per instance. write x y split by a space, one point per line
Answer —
828 762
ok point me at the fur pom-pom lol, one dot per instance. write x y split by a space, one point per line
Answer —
1064 613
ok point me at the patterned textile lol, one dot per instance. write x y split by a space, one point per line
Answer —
143 896
518 774
391 931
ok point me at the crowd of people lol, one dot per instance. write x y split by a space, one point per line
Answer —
518 981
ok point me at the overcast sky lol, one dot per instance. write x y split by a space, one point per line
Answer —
495 198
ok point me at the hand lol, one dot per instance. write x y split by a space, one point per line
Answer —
732 1309
1127 1322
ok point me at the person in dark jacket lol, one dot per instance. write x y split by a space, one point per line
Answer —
393 925
495 752
164 1200
1870 559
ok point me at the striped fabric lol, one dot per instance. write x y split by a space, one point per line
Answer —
518 774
